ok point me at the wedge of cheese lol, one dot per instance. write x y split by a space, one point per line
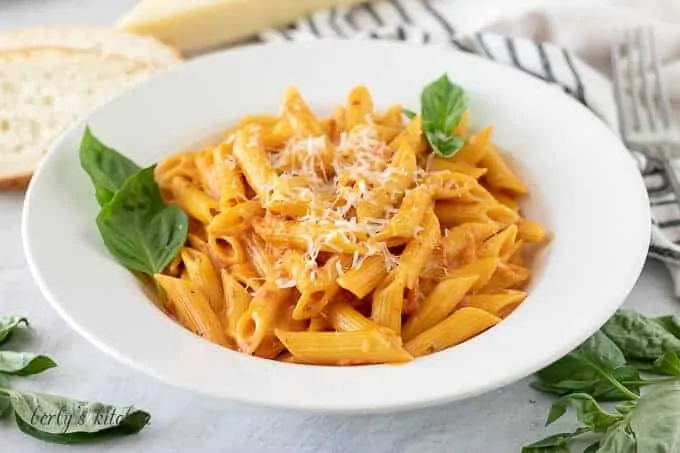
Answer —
199 25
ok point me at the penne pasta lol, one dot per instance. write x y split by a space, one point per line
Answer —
181 165
437 164
461 325
461 243
359 107
192 308
345 318
201 271
407 221
344 348
500 304
348 239
325 236
453 213
227 250
236 301
500 245
207 176
235 220
418 250
484 269
475 148
388 302
499 176
507 276
318 324
193 200
364 278
393 117
530 232
319 292
449 185
439 304
260 319
252 158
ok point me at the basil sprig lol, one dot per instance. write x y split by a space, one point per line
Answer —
52 418
62 420
9 324
108 169
24 363
138 229
614 365
442 107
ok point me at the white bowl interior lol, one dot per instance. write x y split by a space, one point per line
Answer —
584 188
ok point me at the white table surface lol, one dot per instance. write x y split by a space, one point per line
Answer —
497 422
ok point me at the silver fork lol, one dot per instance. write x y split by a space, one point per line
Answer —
643 106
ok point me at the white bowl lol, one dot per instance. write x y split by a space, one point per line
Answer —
584 188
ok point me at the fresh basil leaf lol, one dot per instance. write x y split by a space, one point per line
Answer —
629 376
139 230
596 367
668 363
442 106
410 114
588 412
65 421
641 365
592 448
554 388
24 363
670 323
4 398
108 169
600 351
625 407
655 421
444 145
8 324
619 439
557 443
639 337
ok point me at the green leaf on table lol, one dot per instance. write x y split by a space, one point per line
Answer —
24 363
442 106
670 323
66 421
655 421
108 169
588 412
596 367
625 407
638 336
139 230
668 363
557 443
618 439
4 398
9 324
592 448
410 114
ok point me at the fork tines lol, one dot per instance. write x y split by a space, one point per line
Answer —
643 106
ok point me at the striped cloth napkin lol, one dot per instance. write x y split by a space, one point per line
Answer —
431 22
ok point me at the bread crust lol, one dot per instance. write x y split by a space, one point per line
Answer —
176 56
16 182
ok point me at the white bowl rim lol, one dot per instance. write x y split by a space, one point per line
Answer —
633 227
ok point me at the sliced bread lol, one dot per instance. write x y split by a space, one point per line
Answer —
43 91
103 40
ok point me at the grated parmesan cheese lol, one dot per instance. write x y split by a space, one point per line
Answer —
360 165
